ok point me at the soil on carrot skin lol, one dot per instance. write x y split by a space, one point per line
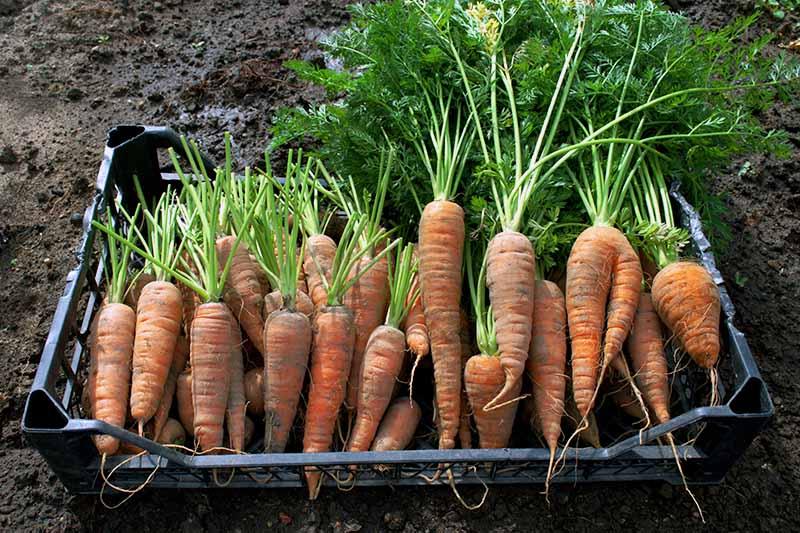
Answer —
70 70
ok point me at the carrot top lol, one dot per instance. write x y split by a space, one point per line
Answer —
116 256
401 278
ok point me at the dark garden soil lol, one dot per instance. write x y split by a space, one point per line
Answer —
70 70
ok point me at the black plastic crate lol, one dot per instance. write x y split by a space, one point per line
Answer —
52 425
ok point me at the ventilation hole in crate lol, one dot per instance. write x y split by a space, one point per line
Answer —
44 412
123 134
751 398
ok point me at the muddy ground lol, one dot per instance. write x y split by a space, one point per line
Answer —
69 70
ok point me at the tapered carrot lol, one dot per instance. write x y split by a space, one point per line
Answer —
510 277
384 356
484 376
243 290
211 346
398 426
332 353
687 300
367 299
254 391
441 241
287 337
179 359
604 278
546 366
646 349
109 371
416 332
183 397
111 344
235 413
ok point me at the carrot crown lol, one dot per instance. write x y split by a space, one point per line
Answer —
116 255
401 278
484 320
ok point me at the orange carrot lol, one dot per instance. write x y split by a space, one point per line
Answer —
210 351
368 299
510 277
441 244
322 249
183 397
620 392
179 359
287 338
263 280
334 337
398 426
158 324
189 297
416 332
601 260
646 349
173 433
242 289
109 372
236 397
687 300
383 360
254 391
547 363
484 378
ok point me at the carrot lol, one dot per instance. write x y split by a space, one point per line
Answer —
332 353
183 397
546 366
173 433
243 290
111 342
236 397
601 260
274 302
441 241
484 375
687 300
620 392
254 391
510 277
287 337
464 431
587 432
263 280
367 299
135 290
398 426
190 299
484 378
179 359
416 332
646 349
320 250
109 371
384 355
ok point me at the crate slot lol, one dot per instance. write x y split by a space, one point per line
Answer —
44 413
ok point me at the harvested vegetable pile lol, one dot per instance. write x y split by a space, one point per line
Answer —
530 146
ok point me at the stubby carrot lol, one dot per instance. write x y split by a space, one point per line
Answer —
398 426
